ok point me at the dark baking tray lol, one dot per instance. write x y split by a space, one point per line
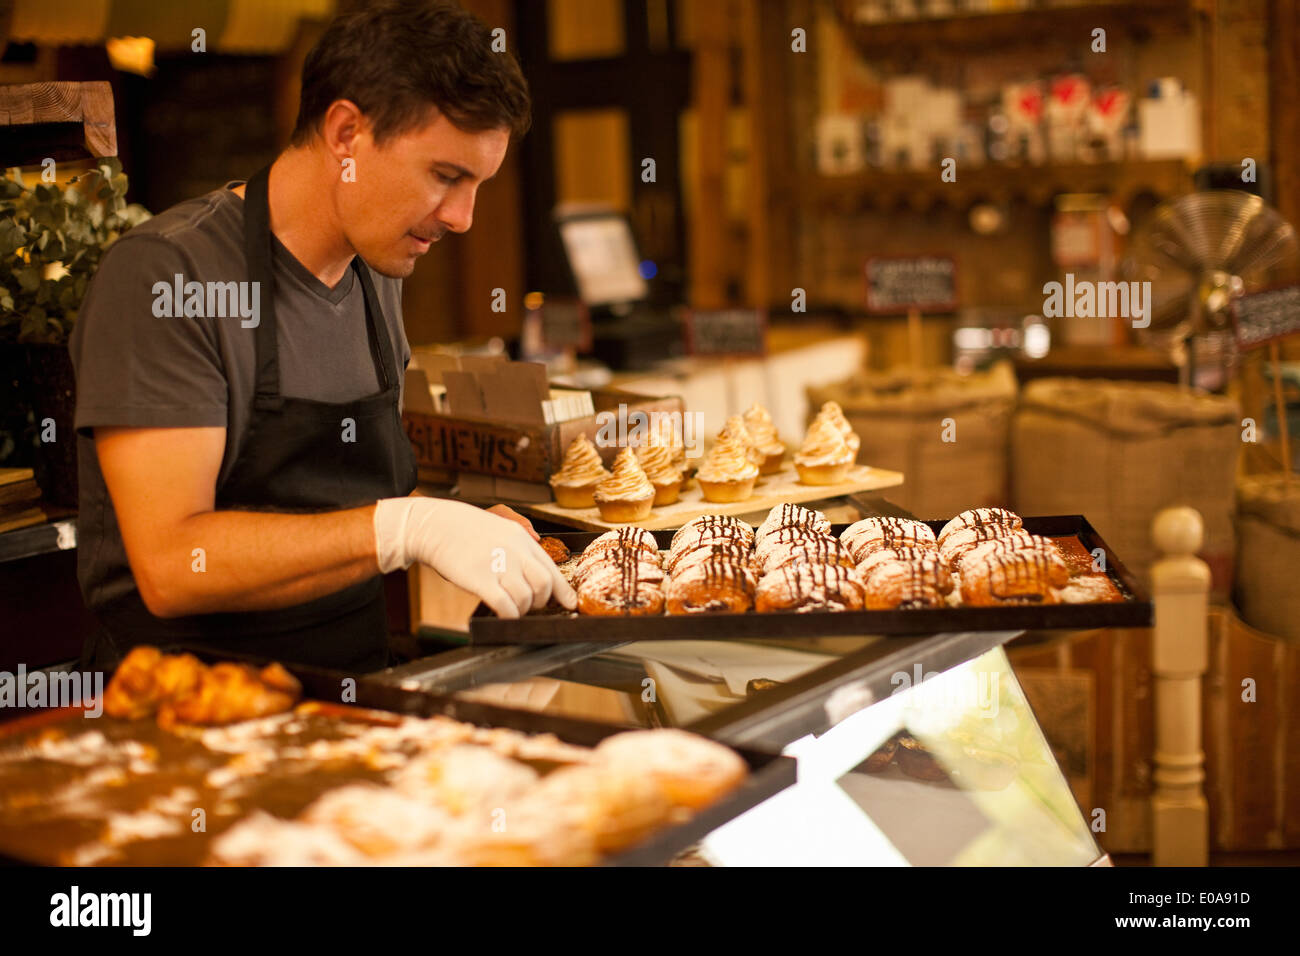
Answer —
769 774
1134 611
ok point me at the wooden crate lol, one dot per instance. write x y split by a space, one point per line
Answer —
521 452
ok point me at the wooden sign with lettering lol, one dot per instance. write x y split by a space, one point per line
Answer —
456 444
899 284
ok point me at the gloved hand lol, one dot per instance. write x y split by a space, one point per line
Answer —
490 556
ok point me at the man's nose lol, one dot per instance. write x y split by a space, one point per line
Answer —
457 210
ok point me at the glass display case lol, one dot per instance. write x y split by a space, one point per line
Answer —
911 750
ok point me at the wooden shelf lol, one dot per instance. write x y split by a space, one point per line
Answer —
923 189
903 39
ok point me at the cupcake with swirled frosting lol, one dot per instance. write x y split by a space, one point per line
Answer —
657 462
762 432
575 483
824 458
833 413
736 426
728 474
627 494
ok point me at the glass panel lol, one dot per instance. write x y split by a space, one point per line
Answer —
668 683
965 776
585 29
591 157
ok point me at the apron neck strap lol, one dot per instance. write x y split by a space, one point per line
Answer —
258 257
258 260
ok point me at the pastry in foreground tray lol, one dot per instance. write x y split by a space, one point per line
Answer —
791 516
691 770
1020 577
712 527
574 485
824 458
1019 541
555 549
734 551
811 587
715 584
806 549
963 541
626 585
184 691
921 581
762 432
727 474
981 518
883 533
627 494
657 462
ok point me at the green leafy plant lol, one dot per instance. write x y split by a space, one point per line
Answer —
51 241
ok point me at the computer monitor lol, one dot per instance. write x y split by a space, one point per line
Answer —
603 257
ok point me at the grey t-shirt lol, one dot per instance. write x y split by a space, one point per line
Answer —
137 369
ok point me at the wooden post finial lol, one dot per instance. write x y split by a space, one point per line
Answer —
1180 584
1178 532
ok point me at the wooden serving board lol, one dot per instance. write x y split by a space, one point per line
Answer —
769 491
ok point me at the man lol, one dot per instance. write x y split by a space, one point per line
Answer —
244 470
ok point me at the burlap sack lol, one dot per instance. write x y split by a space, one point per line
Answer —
1268 554
1119 452
946 432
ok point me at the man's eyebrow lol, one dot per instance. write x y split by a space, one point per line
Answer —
461 170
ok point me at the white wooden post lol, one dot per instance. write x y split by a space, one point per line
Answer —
1180 589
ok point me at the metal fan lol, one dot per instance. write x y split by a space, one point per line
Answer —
1200 252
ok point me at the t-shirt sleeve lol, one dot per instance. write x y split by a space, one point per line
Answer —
138 369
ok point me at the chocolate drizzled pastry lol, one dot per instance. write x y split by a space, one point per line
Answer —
981 518
916 582
716 584
810 587
1017 577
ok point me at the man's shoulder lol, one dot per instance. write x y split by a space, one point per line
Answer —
199 227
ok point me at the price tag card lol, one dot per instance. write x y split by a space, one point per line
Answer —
726 331
1264 317
566 324
897 284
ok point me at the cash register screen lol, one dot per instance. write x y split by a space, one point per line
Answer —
604 260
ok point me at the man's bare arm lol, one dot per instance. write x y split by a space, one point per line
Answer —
163 484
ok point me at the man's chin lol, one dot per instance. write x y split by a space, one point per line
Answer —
398 267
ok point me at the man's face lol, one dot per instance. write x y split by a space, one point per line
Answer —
413 189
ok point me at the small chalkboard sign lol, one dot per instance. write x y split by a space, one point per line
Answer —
726 332
566 324
1264 317
899 284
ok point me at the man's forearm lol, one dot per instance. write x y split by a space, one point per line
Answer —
253 561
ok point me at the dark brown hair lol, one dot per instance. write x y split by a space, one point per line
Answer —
397 58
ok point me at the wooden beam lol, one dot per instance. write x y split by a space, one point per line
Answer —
712 88
56 105
1284 105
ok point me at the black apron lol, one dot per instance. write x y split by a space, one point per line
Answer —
294 459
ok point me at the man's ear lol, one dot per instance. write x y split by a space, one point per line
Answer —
344 124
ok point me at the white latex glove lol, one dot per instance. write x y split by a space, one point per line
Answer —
490 556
